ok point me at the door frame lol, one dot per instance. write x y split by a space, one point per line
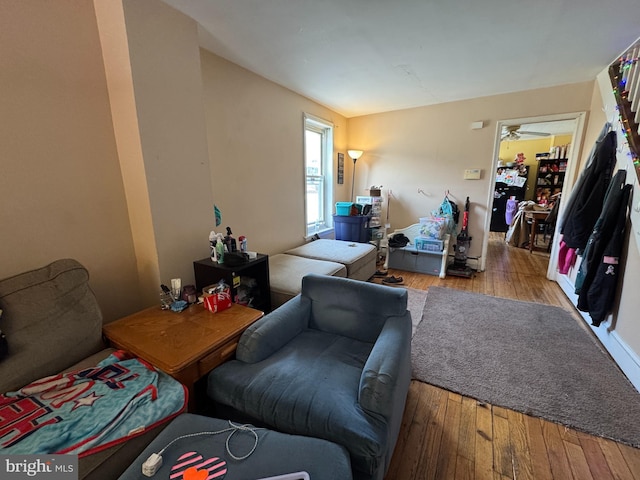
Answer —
570 177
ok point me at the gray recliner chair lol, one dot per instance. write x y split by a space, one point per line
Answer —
332 363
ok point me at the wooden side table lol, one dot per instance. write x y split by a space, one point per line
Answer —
186 345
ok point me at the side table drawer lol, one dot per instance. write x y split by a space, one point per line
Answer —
217 357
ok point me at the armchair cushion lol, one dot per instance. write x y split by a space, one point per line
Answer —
333 363
315 372
351 308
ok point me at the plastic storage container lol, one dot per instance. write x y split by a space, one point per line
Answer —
352 228
347 208
433 227
343 208
428 244
421 261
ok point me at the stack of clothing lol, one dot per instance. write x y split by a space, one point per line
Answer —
519 231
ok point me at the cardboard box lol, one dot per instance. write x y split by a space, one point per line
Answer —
216 299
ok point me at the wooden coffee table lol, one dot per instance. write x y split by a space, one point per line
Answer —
186 345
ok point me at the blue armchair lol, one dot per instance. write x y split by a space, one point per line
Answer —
332 363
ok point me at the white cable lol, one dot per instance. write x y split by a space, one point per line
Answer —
243 428
154 462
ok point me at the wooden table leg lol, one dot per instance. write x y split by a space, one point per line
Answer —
532 235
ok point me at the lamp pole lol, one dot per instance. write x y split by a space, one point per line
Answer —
355 155
353 178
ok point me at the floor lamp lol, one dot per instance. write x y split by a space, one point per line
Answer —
355 155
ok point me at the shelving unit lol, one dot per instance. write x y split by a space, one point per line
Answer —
208 272
376 208
510 182
550 177
375 218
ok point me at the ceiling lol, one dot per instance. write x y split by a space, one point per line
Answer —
359 57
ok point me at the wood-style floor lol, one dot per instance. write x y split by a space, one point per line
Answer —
447 436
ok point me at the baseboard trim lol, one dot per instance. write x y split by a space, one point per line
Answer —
625 358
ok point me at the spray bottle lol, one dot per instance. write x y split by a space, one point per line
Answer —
220 248
230 242
212 246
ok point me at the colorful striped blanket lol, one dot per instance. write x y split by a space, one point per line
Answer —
88 410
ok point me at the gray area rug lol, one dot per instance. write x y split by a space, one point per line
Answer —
415 305
528 357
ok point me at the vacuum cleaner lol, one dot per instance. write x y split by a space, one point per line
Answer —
459 266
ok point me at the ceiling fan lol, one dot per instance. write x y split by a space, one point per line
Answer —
512 132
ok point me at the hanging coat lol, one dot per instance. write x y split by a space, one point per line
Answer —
601 295
601 231
587 168
585 204
567 255
566 258
598 275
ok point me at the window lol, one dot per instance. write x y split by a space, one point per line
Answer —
318 154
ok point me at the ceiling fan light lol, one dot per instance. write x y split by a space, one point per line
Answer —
511 136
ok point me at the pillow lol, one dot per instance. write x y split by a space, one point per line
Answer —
53 320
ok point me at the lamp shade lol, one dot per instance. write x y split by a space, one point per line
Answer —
355 154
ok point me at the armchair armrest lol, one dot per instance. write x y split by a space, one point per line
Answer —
387 373
273 331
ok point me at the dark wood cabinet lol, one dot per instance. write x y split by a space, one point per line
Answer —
248 281
507 186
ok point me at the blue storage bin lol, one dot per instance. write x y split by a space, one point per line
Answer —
428 244
352 228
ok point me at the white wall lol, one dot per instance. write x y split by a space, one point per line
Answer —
429 148
620 334
255 131
167 84
117 64
61 190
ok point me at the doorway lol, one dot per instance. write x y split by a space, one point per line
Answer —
520 146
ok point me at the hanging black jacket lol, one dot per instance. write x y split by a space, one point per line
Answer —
586 200
587 167
600 233
598 275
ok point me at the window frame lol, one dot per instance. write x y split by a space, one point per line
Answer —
326 177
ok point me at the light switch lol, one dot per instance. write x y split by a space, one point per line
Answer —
472 174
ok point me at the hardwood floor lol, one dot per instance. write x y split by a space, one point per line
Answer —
447 436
